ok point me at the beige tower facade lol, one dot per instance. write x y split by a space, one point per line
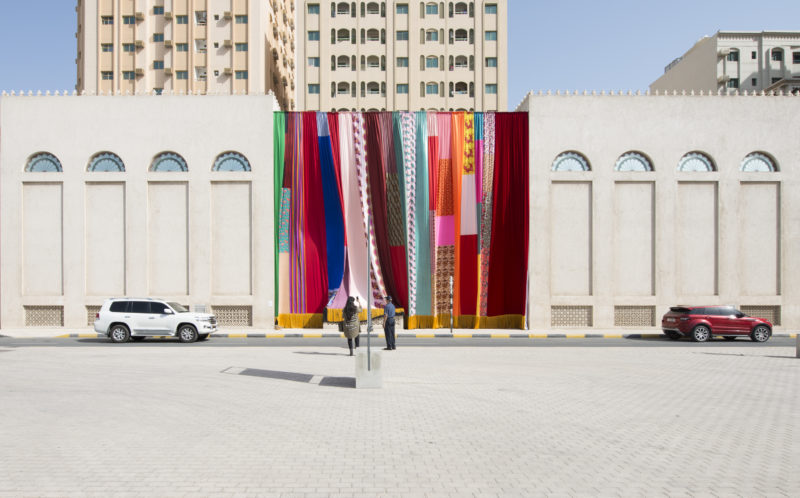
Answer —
737 60
197 46
402 55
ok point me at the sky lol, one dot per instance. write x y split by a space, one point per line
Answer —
553 45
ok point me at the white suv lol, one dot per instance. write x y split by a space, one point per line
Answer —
122 319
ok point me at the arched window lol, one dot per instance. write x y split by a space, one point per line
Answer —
461 9
373 61
343 88
431 9
343 9
373 35
461 88
343 61
696 161
759 162
431 61
373 8
432 88
633 161
571 161
169 161
342 35
43 162
431 35
462 35
231 161
106 161
373 88
462 61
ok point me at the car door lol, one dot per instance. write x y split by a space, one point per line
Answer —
719 320
161 317
140 318
740 323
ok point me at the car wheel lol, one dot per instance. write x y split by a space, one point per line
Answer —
674 336
137 339
760 334
701 333
119 333
202 337
187 333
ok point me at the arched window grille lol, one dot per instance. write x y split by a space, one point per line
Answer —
758 162
106 161
231 161
169 161
43 162
633 161
696 161
571 161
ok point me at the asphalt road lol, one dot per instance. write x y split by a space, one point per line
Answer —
740 344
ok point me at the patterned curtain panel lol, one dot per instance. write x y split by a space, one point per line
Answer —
438 196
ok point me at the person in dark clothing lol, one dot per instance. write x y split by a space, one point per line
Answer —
352 325
388 324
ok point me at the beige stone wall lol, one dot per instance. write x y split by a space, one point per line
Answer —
606 245
72 239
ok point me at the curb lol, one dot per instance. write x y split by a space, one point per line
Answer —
338 335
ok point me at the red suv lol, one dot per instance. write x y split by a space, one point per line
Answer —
702 322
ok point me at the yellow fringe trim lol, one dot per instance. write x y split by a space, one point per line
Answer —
335 315
300 321
442 321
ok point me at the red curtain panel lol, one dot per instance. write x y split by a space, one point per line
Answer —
315 245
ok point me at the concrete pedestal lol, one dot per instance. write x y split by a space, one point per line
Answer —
797 346
372 378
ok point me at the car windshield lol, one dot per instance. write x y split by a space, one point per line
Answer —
178 308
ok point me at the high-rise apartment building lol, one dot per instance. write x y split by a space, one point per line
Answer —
402 55
737 60
198 46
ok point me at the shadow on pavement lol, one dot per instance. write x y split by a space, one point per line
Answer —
292 376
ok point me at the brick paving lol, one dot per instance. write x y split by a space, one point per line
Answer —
179 420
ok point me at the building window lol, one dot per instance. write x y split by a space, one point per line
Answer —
758 162
158 10
432 89
128 75
754 55
200 17
313 61
43 163
158 64
314 89
754 81
313 8
402 8
570 161
107 20
182 75
733 83
491 62
158 91
128 20
158 37
107 75
775 80
402 62
402 36
313 36
633 161
373 8
431 9
201 45
182 47
491 36
241 47
402 88
231 161
431 35
128 47
107 47
373 35
491 88
168 161
733 56
696 161
200 73
795 57
182 19
241 75
777 55
432 62
461 9
106 161
491 8
241 19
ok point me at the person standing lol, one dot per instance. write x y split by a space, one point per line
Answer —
388 324
352 324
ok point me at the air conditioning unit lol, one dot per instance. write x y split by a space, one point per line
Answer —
168 71
227 15
228 71
140 16
167 43
723 79
139 44
723 52
168 15
228 43
139 71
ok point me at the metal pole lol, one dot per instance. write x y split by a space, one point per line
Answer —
451 305
369 298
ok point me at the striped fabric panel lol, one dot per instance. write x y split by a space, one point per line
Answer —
409 146
486 206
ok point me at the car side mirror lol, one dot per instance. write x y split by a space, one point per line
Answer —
739 314
168 311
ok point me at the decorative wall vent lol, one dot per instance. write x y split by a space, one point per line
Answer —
771 313
44 316
571 316
634 316
233 316
91 311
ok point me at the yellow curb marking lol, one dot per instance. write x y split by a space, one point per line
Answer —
462 336
312 335
576 336
537 336
500 336
613 336
88 335
65 336
274 336
239 336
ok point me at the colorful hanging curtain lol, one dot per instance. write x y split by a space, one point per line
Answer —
430 196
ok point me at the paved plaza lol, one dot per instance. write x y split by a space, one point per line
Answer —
181 420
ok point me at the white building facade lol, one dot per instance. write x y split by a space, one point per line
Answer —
637 203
